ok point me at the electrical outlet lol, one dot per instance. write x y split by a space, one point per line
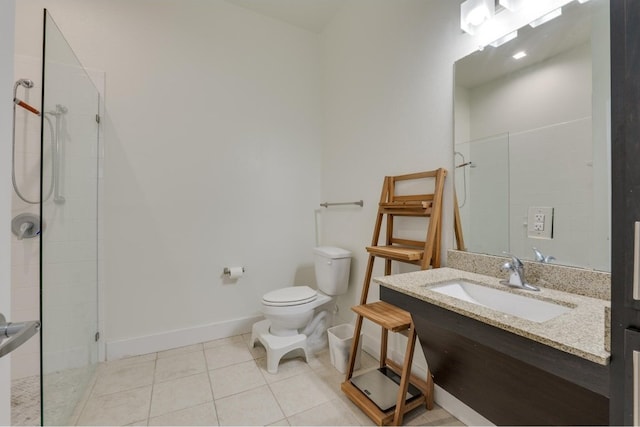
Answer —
540 223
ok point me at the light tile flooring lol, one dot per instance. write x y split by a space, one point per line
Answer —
25 401
225 382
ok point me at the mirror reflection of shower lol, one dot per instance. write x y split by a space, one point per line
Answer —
464 165
55 142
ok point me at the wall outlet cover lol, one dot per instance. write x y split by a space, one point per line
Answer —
540 223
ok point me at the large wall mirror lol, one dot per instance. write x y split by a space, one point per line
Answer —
532 141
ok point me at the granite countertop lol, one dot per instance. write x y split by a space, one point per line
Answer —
579 332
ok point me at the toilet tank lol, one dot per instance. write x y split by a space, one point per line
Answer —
332 269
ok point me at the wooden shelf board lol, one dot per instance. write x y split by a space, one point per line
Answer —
396 252
386 315
402 212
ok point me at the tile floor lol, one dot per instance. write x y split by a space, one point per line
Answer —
225 382
25 401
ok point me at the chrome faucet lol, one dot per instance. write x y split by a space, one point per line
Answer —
540 257
516 274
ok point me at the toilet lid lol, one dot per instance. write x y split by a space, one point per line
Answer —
293 295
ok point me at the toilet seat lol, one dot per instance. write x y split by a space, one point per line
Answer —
290 296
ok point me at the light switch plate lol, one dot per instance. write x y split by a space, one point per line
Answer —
540 223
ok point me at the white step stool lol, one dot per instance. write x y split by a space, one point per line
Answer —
277 347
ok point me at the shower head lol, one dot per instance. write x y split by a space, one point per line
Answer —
28 83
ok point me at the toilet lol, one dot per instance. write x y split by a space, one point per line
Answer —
293 320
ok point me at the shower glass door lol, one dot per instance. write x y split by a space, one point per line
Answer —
482 188
69 240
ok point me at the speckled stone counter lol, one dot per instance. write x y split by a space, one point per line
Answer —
580 332
590 283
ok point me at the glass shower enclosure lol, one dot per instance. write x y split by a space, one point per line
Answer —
69 237
482 188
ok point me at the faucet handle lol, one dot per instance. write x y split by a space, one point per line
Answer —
540 257
516 274
515 261
506 266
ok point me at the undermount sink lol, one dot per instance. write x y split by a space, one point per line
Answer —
531 309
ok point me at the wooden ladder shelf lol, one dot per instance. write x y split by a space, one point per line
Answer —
426 254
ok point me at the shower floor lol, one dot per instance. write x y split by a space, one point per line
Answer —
64 389
25 401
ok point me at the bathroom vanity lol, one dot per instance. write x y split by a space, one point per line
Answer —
510 369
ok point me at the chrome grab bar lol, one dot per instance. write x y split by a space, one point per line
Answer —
17 333
327 204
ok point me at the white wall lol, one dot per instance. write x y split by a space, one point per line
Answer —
212 135
553 91
218 166
7 11
388 82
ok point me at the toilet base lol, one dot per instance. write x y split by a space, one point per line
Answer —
277 347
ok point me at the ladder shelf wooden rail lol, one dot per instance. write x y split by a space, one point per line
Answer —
426 254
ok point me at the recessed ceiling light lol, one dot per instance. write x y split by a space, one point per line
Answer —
520 55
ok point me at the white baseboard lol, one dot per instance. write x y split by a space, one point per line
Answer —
457 408
119 349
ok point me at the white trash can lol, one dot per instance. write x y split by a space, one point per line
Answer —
340 339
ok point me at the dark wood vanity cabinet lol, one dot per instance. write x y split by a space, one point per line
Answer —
509 379
625 211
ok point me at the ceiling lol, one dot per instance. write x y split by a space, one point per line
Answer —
311 15
571 29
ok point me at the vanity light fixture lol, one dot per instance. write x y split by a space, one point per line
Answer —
474 13
546 18
582 1
513 5
502 40
519 55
